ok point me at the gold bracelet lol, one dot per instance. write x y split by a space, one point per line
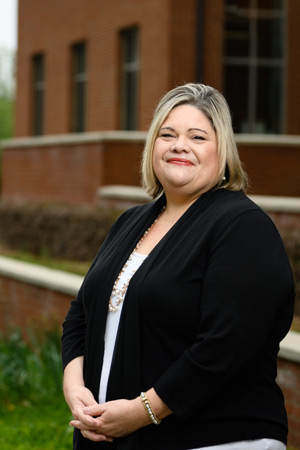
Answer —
149 409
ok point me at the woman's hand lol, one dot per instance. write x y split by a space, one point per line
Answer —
115 419
78 396
119 418
103 422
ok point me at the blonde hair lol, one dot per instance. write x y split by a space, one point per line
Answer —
213 104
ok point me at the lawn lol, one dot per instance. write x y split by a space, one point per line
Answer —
39 426
33 413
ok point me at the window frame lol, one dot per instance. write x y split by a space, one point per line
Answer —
253 62
129 78
38 93
78 87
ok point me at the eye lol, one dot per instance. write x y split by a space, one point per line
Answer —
198 138
166 135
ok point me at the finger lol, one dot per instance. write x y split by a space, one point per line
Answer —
93 410
84 418
93 436
83 425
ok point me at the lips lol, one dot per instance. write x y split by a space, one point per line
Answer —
180 161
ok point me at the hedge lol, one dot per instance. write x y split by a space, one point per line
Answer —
59 231
291 239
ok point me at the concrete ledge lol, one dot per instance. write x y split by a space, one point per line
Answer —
290 347
274 140
44 277
277 204
122 192
135 193
74 139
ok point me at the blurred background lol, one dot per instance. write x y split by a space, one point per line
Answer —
79 81
8 49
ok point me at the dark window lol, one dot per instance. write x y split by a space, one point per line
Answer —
38 94
129 79
78 87
255 64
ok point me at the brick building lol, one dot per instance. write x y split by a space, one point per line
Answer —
87 66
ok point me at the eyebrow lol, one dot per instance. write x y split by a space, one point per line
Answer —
190 129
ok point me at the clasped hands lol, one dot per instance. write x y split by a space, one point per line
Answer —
103 422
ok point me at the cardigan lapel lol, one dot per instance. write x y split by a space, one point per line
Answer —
112 257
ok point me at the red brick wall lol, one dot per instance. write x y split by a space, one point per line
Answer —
183 42
23 305
273 170
65 174
121 163
53 27
68 173
73 173
213 44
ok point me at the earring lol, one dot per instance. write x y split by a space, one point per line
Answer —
224 178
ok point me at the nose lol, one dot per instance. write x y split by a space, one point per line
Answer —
181 145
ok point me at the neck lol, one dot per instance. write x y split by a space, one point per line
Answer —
176 207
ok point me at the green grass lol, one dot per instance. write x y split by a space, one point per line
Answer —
33 413
77 267
38 426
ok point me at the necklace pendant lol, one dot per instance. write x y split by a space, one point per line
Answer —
119 294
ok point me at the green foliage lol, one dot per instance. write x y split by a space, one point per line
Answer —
30 371
7 75
6 118
33 413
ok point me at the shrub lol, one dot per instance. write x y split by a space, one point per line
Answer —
57 231
291 239
30 370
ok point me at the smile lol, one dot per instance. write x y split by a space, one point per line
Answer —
180 162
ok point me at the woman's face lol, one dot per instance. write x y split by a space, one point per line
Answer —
185 156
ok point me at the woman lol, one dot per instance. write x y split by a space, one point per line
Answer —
172 341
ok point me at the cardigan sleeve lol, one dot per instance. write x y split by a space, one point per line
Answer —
246 303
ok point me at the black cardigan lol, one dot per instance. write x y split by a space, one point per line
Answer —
201 323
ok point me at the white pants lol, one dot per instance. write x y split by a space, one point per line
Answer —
257 444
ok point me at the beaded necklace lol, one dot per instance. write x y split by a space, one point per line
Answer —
119 294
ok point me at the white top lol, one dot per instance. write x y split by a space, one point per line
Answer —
256 444
112 324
